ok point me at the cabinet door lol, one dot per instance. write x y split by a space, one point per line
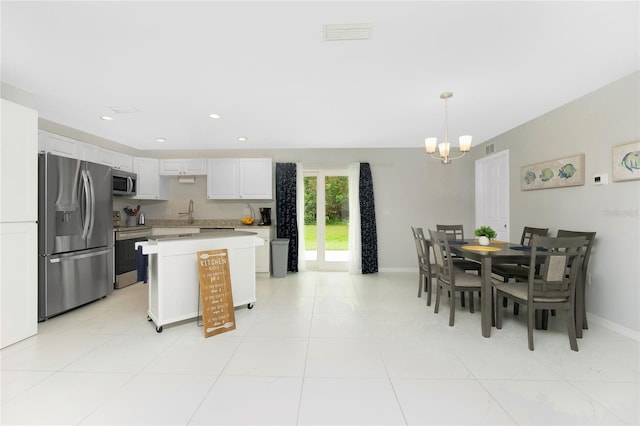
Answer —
60 145
19 278
255 178
122 161
194 167
18 163
87 152
222 182
170 167
151 186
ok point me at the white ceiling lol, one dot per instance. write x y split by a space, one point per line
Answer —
264 67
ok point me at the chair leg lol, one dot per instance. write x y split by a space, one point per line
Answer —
530 321
545 319
452 310
571 329
462 299
420 277
438 289
471 301
504 302
516 308
429 282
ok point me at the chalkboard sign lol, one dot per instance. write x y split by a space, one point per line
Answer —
215 292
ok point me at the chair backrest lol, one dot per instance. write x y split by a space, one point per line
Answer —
422 245
559 268
528 233
454 232
586 248
442 255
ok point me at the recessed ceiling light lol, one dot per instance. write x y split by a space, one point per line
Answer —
213 115
106 118
161 140
242 138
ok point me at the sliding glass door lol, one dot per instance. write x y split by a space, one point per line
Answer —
326 219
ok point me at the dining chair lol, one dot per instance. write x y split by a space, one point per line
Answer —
450 276
590 237
456 233
517 271
553 288
425 267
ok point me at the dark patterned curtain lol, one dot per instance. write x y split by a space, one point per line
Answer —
287 224
369 235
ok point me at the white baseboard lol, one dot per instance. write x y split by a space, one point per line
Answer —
398 270
620 329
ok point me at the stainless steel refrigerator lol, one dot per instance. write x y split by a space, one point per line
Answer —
75 233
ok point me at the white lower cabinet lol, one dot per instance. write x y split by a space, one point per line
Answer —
263 253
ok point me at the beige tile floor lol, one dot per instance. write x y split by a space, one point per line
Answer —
318 348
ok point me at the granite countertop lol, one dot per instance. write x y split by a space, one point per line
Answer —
201 223
218 233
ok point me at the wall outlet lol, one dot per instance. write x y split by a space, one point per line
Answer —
601 179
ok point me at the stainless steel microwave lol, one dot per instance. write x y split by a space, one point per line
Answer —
124 183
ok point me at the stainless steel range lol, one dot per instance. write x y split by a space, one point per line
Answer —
125 253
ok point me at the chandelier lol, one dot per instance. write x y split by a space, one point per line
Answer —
444 148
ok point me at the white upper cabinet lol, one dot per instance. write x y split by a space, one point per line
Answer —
151 186
67 147
58 145
183 167
117 160
240 178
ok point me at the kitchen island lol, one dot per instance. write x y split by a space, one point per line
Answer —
173 271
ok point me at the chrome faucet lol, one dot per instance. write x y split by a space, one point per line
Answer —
190 212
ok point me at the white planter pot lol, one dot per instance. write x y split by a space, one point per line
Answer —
483 241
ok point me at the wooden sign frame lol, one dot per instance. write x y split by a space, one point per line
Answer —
216 298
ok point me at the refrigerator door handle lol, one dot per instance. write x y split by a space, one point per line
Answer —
87 211
92 204
79 256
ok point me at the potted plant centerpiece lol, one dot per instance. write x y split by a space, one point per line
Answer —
485 234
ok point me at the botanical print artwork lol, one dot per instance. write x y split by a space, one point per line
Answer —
626 161
567 171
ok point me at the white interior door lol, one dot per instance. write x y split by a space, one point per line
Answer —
492 193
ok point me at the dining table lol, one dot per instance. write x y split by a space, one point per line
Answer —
495 253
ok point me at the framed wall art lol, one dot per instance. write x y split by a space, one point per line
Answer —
625 162
566 171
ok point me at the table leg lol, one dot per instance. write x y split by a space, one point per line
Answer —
486 312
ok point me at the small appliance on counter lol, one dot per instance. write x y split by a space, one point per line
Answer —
265 216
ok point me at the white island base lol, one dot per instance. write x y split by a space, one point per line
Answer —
174 290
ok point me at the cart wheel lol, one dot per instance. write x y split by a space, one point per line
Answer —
250 306
159 329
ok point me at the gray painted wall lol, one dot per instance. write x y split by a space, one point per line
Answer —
591 125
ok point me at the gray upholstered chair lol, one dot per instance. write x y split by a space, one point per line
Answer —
509 271
425 267
456 233
553 288
581 303
518 272
450 276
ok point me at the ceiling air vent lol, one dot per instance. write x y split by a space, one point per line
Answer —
489 149
123 109
341 32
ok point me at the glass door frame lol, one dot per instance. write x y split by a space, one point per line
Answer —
320 264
